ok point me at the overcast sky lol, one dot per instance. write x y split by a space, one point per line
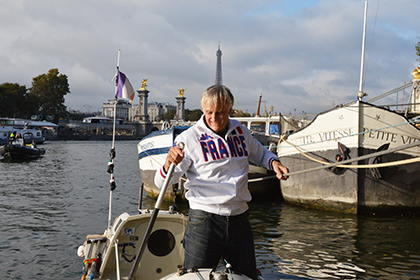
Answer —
300 55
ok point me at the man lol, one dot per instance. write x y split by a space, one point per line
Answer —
215 161
12 137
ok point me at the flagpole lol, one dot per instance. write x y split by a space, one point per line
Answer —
112 153
115 103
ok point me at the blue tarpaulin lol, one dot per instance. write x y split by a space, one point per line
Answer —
274 129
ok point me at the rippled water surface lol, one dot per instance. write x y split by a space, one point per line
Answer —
49 205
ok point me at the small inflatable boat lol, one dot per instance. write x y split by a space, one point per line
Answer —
20 151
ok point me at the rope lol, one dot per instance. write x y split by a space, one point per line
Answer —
342 163
386 164
148 155
413 122
402 162
283 138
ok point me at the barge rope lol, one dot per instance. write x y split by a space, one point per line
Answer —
343 164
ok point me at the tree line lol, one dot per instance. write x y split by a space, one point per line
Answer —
44 98
190 115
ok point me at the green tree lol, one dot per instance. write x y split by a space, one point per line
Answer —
193 115
76 117
50 88
418 50
169 115
12 100
31 105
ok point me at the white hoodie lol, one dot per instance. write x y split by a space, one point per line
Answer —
217 168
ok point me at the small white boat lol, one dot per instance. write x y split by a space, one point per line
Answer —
152 151
22 126
111 255
6 131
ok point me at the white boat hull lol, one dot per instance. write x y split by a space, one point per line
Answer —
152 151
362 128
162 259
163 254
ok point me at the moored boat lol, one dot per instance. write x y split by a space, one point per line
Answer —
39 129
357 157
354 130
152 151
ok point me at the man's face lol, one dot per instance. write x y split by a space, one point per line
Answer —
217 118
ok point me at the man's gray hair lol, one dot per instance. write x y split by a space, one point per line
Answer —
218 95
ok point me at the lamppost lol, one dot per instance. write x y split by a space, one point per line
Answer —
87 107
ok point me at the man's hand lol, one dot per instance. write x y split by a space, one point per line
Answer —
175 155
280 169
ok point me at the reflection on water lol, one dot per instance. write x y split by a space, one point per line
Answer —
308 244
389 246
49 205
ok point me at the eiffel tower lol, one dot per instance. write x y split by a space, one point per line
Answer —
219 80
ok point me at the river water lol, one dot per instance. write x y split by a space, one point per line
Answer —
49 205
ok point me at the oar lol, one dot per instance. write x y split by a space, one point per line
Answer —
153 217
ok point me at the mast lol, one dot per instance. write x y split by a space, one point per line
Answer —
112 153
361 94
259 104
361 118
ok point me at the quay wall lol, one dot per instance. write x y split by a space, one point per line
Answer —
104 131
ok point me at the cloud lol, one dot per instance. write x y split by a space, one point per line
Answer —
302 55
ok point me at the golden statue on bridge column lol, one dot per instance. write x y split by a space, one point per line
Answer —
416 73
143 84
181 92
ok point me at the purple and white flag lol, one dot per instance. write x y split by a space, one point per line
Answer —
124 88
